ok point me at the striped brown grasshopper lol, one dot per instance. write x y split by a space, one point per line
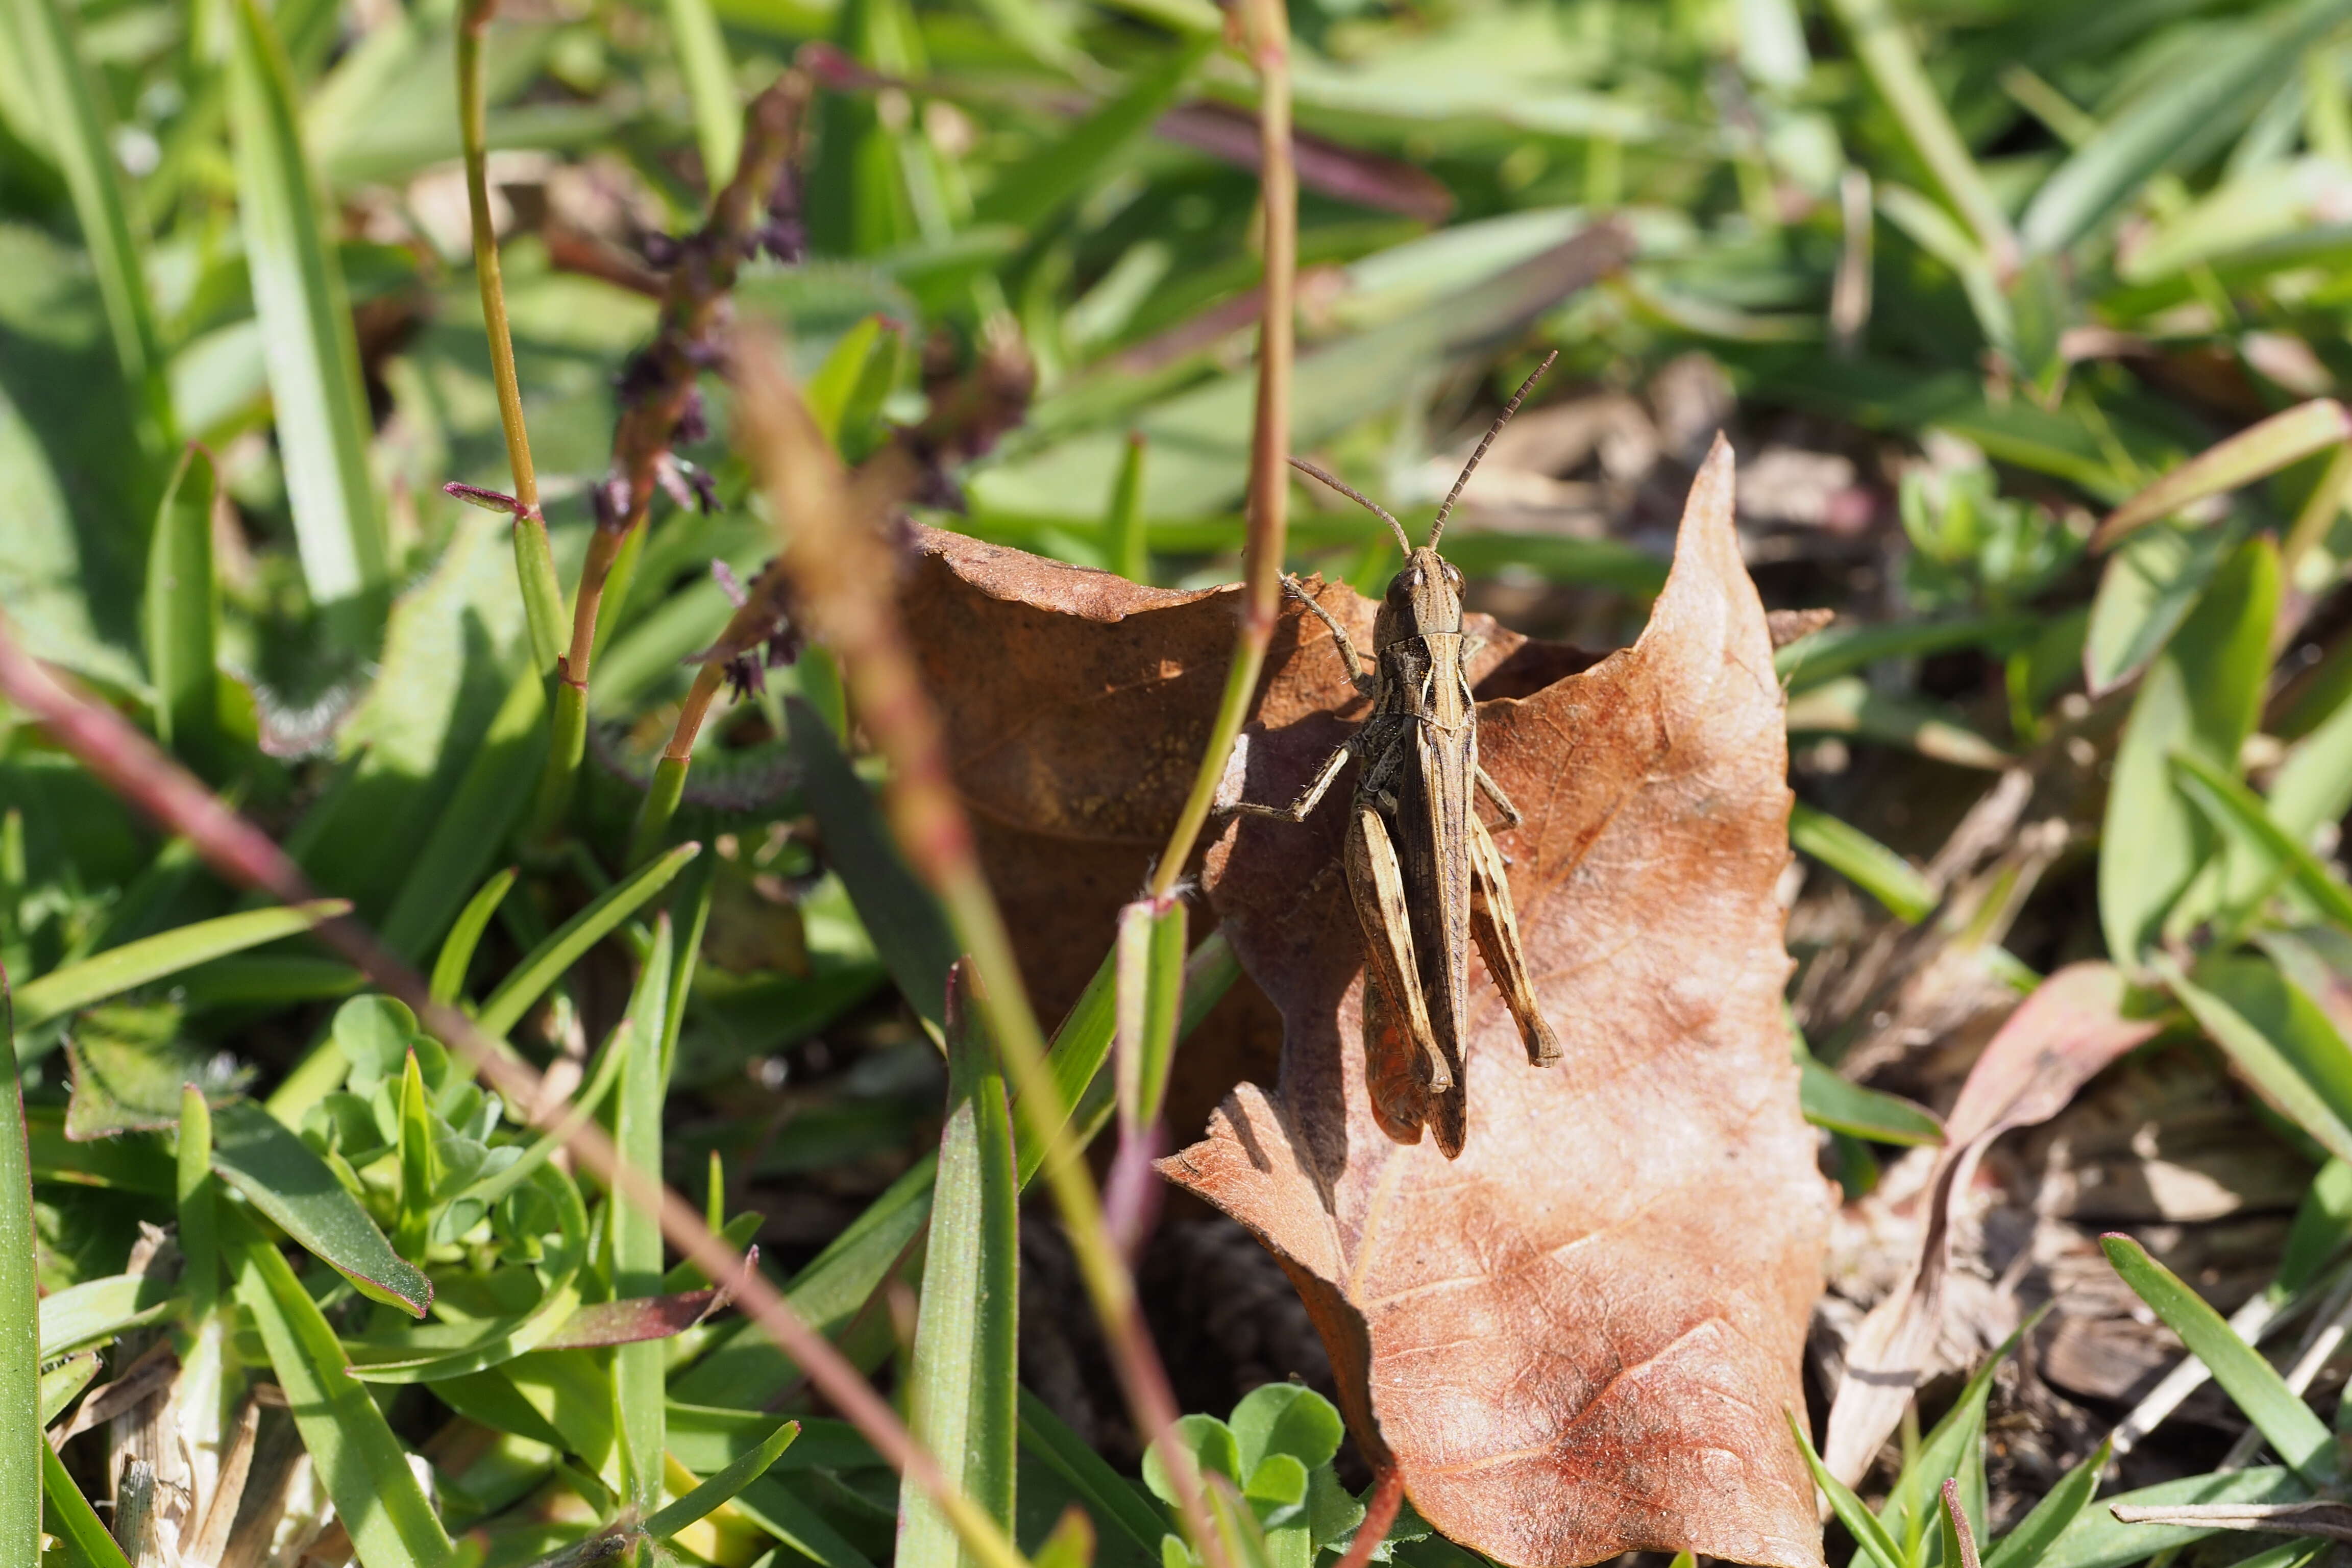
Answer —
1424 873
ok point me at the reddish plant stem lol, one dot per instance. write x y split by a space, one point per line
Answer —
1379 1515
131 764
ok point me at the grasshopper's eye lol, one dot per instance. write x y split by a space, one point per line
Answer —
1453 574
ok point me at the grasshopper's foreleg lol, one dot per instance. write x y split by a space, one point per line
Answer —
1312 795
1363 682
1511 818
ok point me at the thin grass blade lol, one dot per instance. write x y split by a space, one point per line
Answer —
183 611
136 963
545 964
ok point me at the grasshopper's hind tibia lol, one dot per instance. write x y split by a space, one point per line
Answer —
1495 927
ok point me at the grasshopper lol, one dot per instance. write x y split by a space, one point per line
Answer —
1423 872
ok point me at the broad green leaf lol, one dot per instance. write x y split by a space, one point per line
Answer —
20 1332
1285 1418
135 963
2280 1038
723 1485
2323 1222
963 1372
908 928
2184 113
359 1461
1208 1440
546 963
198 1206
321 410
2200 695
639 1369
1861 860
2256 452
98 1310
2146 590
67 1513
458 948
182 612
130 1065
2314 785
253 1153
2300 1437
2234 806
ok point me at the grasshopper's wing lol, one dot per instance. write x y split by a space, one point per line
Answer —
1376 881
1495 925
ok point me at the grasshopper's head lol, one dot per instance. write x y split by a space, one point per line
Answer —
1425 597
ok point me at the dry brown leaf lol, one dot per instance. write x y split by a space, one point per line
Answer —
1578 1338
2056 1041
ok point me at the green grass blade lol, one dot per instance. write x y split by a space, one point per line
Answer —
545 964
80 129
253 1153
1893 62
71 1518
2300 1437
1029 193
97 1311
710 83
2098 1539
1859 1521
2280 1038
1126 545
770 1504
458 948
309 341
1861 860
1911 1507
2026 1546
2256 452
1110 1497
910 930
134 963
722 1486
1831 1101
962 1377
183 611
489 797
639 1370
199 1211
63 1383
2202 695
20 1332
2231 805
1842 649
360 1462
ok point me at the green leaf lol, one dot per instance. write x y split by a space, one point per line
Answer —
98 1310
2256 452
1208 1440
182 612
69 1516
2300 1437
468 831
710 85
2185 113
768 1503
1911 1507
1028 193
129 1064
2028 1546
1149 954
2146 590
198 1206
1110 1497
458 948
1861 860
20 1345
910 930
1831 1101
1835 650
2201 696
963 1375
2233 806
1126 545
1893 61
277 1172
1285 1418
135 963
546 963
639 1370
723 1486
1859 1521
62 1383
321 410
2280 1038
359 1461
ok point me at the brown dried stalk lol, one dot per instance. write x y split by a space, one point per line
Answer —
131 764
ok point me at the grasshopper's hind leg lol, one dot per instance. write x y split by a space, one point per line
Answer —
1495 927
1376 880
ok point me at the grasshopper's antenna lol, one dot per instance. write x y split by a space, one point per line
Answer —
1353 494
1437 528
